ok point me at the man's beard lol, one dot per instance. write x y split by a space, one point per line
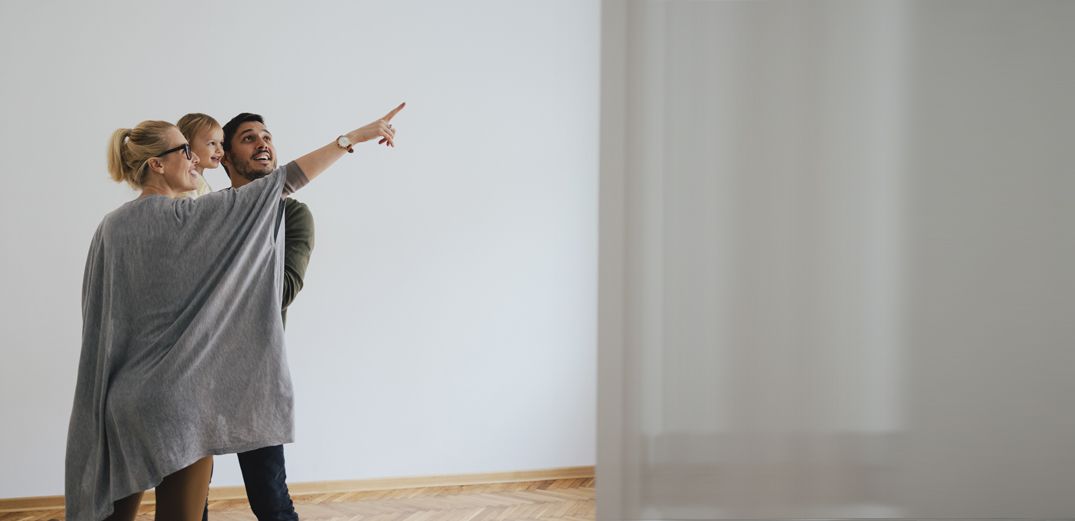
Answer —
251 174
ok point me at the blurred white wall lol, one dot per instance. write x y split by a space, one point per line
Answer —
836 252
447 324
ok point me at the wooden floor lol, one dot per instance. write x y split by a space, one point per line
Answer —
554 500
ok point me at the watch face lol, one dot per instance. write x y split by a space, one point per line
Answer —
343 141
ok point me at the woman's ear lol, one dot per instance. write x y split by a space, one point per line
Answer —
156 165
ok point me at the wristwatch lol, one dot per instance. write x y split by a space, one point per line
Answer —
344 142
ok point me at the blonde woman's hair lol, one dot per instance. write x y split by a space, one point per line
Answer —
190 125
130 149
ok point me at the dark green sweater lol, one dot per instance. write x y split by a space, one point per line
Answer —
298 244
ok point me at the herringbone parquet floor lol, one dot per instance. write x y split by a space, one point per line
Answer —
553 500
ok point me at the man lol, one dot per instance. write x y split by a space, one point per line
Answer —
249 154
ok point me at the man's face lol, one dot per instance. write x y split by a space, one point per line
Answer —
252 155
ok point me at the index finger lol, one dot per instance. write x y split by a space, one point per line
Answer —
390 115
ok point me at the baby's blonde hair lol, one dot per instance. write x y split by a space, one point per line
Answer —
195 122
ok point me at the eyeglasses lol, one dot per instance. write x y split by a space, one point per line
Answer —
185 147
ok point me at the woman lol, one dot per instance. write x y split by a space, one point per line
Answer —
182 348
206 137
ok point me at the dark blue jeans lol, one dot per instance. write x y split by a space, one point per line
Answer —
266 485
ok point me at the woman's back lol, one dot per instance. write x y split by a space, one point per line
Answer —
182 334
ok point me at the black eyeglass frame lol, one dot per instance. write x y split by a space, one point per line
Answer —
185 147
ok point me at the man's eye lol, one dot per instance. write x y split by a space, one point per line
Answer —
248 138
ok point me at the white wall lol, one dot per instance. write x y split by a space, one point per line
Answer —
836 260
448 320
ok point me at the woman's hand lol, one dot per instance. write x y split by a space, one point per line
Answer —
382 128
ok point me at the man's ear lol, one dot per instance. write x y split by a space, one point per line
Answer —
226 163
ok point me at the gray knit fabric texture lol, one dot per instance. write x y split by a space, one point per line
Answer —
182 340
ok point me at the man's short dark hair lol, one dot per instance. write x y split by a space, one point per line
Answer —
233 125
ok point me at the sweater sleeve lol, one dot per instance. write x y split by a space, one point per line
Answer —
294 179
233 205
298 244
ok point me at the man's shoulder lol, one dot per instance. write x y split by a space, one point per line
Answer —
297 216
292 206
